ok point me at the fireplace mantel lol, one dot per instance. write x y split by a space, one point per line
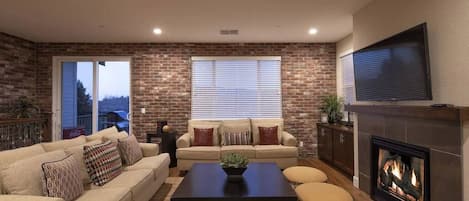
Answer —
421 112
438 129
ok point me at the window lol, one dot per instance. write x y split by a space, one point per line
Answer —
236 87
348 83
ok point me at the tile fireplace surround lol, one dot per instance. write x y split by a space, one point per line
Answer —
438 129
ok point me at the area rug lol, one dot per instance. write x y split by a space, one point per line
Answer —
167 189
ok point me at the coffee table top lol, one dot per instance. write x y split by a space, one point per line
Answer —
208 181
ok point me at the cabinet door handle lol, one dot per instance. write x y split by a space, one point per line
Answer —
341 138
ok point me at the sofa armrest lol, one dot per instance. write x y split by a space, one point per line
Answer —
288 139
184 141
28 198
149 149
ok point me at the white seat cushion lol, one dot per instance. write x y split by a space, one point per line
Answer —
135 180
106 194
246 150
199 152
275 151
155 163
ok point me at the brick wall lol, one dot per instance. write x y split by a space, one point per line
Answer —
17 70
161 79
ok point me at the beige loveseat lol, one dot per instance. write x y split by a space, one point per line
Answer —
285 154
138 182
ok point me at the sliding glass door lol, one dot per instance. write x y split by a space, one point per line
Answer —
90 95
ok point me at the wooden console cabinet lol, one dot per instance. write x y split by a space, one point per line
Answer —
335 146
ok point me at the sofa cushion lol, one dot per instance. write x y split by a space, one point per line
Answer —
106 194
268 135
100 134
23 177
205 124
246 150
236 125
103 162
62 179
130 150
27 198
135 180
115 136
77 152
155 163
201 152
62 144
275 151
255 123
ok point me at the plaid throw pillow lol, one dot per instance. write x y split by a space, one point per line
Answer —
103 162
62 179
130 150
237 138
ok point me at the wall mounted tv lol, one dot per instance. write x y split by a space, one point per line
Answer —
396 68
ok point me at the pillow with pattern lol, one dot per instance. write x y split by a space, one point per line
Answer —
237 138
62 179
103 162
130 150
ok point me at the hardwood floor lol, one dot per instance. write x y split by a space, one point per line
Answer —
334 177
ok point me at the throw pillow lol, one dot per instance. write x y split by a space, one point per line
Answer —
77 152
103 162
268 135
203 137
62 179
237 138
130 150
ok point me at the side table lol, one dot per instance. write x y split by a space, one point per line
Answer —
168 145
167 142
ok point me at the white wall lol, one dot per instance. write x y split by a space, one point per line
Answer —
448 31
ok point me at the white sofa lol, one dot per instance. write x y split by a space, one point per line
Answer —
138 182
285 154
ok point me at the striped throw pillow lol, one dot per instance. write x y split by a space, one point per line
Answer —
103 162
237 138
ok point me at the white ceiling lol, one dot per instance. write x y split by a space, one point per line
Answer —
180 20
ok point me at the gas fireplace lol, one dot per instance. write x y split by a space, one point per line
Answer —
400 171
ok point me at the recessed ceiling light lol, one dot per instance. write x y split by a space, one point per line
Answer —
313 31
157 31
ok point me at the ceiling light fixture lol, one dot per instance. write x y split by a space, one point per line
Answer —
313 31
157 31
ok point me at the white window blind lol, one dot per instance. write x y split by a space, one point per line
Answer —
236 87
348 84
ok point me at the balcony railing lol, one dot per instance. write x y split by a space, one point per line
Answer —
16 133
86 122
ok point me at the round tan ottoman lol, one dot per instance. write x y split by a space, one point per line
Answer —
303 174
322 192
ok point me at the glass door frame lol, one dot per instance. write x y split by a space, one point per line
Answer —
57 89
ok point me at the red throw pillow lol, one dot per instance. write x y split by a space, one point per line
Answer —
268 135
203 137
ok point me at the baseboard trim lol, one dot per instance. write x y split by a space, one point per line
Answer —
356 181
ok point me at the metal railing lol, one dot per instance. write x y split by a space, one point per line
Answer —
16 133
86 122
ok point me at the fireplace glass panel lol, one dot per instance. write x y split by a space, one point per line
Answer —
401 176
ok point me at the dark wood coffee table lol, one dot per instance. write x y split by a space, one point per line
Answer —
207 181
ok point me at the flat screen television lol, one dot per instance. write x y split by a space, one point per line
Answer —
396 68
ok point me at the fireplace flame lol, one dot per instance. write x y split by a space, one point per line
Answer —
414 178
396 170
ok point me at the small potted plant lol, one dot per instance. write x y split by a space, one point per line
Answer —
234 166
332 107
23 107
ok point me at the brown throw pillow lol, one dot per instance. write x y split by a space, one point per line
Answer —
130 150
62 179
203 137
268 135
103 162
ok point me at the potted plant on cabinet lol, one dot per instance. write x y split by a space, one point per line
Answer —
332 106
